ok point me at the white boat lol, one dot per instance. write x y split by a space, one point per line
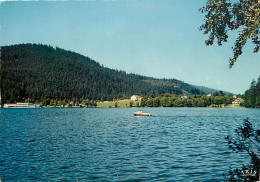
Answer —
21 105
140 113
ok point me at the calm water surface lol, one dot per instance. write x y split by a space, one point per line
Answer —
175 144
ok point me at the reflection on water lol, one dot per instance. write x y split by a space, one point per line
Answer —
175 144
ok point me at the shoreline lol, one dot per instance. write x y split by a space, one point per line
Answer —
78 107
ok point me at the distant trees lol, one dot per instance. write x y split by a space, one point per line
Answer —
65 102
221 16
86 102
252 95
170 100
131 104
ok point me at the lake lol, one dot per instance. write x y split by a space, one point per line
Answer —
175 144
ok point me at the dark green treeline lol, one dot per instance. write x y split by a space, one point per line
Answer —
169 100
252 95
41 72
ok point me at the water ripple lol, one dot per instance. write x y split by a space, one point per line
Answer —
175 144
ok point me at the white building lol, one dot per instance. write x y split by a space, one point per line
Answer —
237 101
184 97
21 105
136 97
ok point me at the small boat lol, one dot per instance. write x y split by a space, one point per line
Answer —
140 113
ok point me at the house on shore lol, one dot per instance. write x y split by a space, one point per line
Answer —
184 97
237 101
136 97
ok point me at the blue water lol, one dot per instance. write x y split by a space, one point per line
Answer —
175 144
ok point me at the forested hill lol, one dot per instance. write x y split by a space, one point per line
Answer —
40 71
252 95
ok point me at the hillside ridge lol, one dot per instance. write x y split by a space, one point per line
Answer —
39 71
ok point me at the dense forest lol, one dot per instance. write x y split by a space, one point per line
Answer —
252 95
41 72
218 99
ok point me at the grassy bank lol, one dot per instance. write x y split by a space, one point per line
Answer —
118 103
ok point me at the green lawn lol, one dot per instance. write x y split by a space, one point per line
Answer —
120 103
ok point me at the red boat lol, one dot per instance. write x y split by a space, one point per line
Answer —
140 113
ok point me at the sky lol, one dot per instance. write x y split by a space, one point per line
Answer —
156 38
